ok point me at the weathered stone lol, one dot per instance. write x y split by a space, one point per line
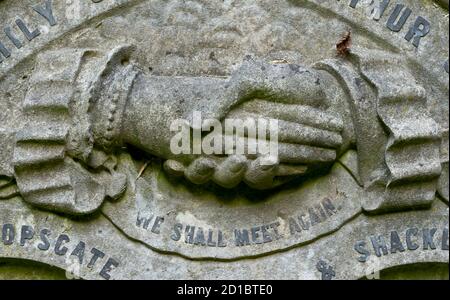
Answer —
118 111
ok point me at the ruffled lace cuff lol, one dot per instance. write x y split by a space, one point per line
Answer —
56 164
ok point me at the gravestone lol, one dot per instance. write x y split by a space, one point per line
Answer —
90 183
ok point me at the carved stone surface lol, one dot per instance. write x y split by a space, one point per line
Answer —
90 182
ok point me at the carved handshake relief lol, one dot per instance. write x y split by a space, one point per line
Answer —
213 139
64 157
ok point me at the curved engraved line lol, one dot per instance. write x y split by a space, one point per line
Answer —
51 264
395 264
237 258
108 13
48 264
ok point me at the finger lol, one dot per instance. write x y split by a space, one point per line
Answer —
306 155
238 145
285 170
293 113
287 132
231 172
200 171
261 173
285 152
305 135
174 168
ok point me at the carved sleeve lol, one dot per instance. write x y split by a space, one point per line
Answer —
58 163
409 167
